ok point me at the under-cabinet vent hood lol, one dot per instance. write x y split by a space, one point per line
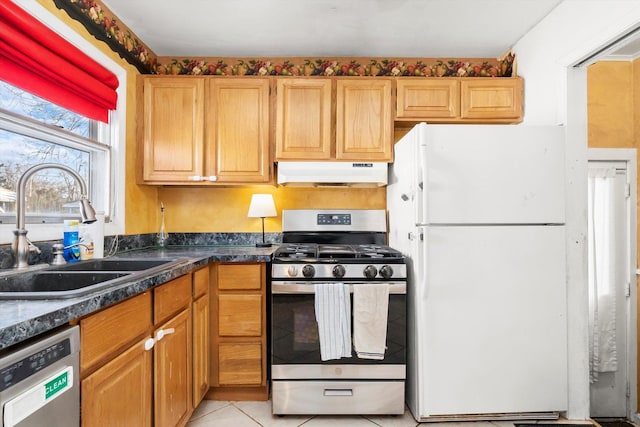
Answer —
332 174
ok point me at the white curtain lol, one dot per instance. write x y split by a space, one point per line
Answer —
602 297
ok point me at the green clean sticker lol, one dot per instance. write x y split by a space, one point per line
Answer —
56 385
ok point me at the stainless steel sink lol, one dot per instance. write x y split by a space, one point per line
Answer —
56 284
115 264
77 279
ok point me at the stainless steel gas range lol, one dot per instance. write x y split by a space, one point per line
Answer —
341 249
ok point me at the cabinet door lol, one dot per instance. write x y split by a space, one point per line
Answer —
303 119
364 119
426 99
200 348
119 393
172 372
238 130
492 99
240 364
173 128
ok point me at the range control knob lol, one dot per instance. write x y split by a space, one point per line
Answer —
370 272
386 271
339 271
308 271
292 271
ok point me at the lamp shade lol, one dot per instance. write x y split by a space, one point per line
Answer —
262 206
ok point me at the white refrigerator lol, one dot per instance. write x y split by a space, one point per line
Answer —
479 212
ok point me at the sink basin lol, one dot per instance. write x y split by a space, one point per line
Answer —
56 284
81 278
113 264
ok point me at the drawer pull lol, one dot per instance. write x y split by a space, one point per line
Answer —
162 332
338 392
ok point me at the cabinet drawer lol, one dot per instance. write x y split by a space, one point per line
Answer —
240 276
200 282
240 364
171 298
107 332
239 315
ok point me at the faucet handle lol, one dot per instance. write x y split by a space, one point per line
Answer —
58 250
32 247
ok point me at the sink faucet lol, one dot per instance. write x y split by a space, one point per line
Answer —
21 244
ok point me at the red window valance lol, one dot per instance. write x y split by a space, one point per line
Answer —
36 59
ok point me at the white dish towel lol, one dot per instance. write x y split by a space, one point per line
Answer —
333 314
370 312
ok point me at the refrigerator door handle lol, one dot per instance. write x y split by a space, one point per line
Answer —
421 204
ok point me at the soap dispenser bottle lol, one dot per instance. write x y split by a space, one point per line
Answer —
162 234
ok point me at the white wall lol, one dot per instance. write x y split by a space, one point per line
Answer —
556 93
572 31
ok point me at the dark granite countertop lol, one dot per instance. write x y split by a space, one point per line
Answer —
24 319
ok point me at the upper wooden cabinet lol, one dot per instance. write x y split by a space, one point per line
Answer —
237 130
347 119
420 98
173 128
198 130
491 99
364 119
460 100
303 119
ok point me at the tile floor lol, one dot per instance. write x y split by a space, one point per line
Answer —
254 414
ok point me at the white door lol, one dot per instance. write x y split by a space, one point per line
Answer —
491 174
493 320
608 288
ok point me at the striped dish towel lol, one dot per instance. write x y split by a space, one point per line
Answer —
333 314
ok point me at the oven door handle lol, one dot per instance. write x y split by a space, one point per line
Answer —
282 288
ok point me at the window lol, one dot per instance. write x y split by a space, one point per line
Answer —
35 131
101 145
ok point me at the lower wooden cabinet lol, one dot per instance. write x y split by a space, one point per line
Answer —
173 403
151 359
238 333
119 393
135 371
201 334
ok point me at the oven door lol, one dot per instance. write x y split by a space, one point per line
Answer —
295 347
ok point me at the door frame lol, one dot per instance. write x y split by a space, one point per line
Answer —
629 156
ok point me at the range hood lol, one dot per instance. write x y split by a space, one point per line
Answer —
332 174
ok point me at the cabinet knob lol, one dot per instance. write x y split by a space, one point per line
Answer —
148 344
196 178
162 332
212 178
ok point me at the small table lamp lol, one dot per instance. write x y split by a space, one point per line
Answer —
262 206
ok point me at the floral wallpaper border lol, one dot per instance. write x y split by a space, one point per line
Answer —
411 67
105 26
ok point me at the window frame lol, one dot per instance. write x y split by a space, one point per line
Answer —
116 129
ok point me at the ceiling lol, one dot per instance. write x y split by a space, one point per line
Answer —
331 28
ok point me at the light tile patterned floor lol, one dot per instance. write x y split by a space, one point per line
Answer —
255 414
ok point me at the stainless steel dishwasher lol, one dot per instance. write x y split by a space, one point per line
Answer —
39 382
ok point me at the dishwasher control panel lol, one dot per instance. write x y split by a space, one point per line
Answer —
35 362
